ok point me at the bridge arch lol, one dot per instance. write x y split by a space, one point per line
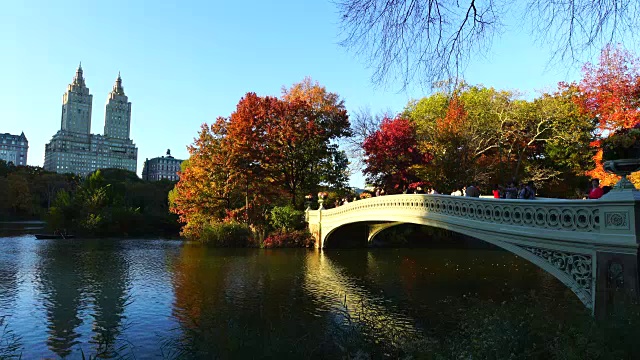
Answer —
570 239
579 280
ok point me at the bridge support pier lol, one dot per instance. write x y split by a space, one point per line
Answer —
617 281
315 225
617 277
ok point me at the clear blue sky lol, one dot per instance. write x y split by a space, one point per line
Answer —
185 63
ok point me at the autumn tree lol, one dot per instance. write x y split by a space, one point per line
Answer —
268 152
427 41
490 136
200 194
327 107
392 155
610 93
461 130
319 121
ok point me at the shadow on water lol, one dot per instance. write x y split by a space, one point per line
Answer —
9 265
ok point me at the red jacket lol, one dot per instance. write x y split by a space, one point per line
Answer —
596 193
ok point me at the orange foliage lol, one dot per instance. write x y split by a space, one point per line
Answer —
452 123
611 94
264 153
599 173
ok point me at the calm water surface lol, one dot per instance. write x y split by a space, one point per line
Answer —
167 299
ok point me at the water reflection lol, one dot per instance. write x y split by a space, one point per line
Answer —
83 282
426 283
106 275
335 290
240 303
9 264
9 284
175 300
61 287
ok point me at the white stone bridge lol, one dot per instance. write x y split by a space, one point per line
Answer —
589 245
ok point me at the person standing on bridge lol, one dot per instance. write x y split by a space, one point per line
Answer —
498 191
531 190
526 192
472 190
596 191
511 192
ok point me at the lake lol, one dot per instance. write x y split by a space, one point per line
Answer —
148 299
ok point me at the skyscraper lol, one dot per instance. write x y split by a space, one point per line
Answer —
76 106
73 149
117 115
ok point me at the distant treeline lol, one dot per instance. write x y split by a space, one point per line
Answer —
109 202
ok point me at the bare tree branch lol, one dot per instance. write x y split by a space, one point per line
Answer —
425 41
363 125
574 27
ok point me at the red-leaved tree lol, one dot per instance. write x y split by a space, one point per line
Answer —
611 94
392 155
268 152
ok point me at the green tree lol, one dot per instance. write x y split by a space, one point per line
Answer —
286 218
19 195
549 138
114 205
5 168
4 198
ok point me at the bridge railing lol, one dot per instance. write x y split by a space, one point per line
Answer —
587 217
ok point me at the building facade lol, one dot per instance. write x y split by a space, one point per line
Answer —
73 149
163 167
13 149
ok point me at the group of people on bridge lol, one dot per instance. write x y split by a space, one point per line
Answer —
513 190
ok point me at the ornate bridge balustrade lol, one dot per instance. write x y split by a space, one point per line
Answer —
589 245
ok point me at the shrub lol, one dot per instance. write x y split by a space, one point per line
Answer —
226 235
296 238
286 218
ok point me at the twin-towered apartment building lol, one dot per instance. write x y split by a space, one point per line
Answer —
73 149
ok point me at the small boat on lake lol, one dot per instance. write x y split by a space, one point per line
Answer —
53 236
